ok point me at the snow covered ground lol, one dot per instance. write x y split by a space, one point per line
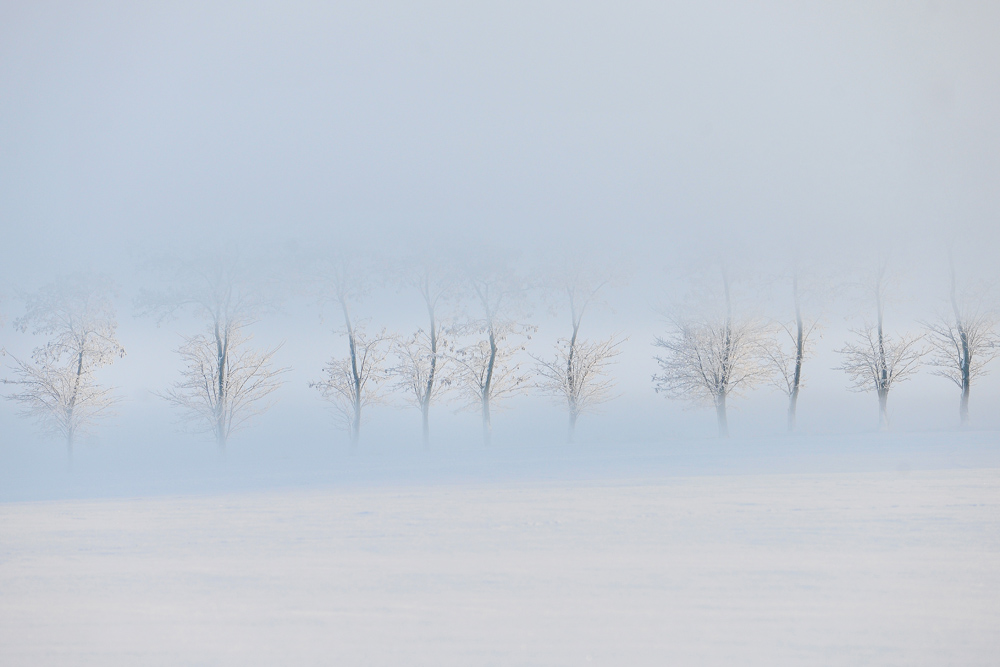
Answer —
893 567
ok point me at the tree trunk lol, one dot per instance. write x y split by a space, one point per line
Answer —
222 359
573 388
882 381
963 406
69 447
792 401
355 378
488 390
883 412
793 397
429 388
965 361
723 388
425 413
720 412
356 426
487 426
70 426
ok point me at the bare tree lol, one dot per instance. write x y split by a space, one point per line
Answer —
355 381
422 360
877 362
486 371
225 383
787 357
58 386
578 375
421 371
962 346
357 378
578 371
708 360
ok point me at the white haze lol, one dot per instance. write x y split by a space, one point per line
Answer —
661 140
654 143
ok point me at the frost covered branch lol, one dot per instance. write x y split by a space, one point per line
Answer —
58 386
962 345
577 374
225 383
356 381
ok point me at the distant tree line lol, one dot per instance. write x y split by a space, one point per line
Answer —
473 354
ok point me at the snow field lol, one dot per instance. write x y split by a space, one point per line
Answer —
795 569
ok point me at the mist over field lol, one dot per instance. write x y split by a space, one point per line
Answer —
678 165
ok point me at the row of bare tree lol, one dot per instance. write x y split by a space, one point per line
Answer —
710 359
226 381
474 360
